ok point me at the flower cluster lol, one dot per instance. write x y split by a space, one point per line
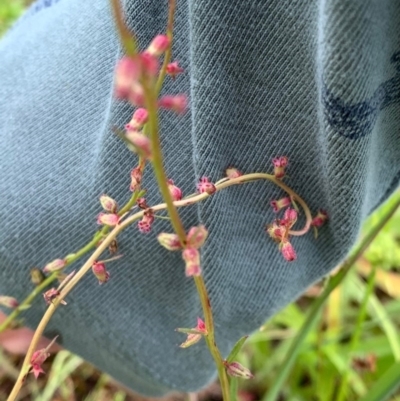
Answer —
279 231
195 239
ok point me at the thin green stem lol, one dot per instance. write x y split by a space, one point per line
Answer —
157 161
343 389
294 349
168 53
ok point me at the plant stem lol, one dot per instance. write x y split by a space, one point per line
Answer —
313 312
210 337
157 161
168 53
342 393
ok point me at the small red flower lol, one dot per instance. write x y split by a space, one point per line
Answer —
177 103
108 219
288 251
145 224
136 179
276 231
232 172
139 118
100 271
193 338
141 143
173 69
8 302
142 203
235 369
320 219
176 192
55 265
191 256
149 64
108 204
289 218
280 163
281 203
158 45
205 185
127 71
169 241
196 237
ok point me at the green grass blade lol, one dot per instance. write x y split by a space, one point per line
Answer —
386 385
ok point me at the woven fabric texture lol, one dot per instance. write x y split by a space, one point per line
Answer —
316 80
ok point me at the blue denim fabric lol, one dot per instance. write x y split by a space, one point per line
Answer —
316 80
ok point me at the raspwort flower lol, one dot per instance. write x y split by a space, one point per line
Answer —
100 271
280 203
136 179
176 192
55 265
191 256
280 164
141 143
169 241
158 45
38 359
235 369
108 204
150 64
51 294
127 71
142 203
289 218
320 219
193 338
108 219
196 236
145 224
139 118
276 231
205 185
232 172
173 69
8 302
288 251
177 103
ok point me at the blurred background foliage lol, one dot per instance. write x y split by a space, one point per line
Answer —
353 344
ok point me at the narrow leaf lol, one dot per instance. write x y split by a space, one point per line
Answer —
236 348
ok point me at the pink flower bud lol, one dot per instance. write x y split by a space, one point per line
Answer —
281 203
232 172
158 45
108 219
55 265
145 224
142 203
126 72
37 360
193 338
320 218
290 217
108 204
136 94
169 241
139 118
177 103
191 256
8 302
173 69
288 251
141 143
176 192
196 236
205 185
235 369
50 295
149 64
136 179
280 164
100 271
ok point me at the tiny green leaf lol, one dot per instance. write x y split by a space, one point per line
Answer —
236 348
